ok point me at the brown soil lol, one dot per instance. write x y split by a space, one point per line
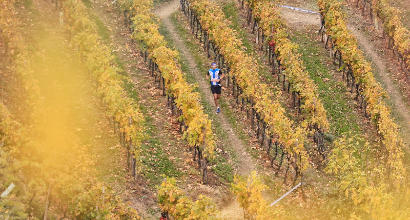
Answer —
300 20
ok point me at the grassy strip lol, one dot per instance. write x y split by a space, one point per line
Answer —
332 92
159 2
154 160
232 14
104 34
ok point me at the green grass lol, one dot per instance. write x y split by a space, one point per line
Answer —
101 29
332 93
27 4
155 161
158 2
87 3
232 14
105 35
164 32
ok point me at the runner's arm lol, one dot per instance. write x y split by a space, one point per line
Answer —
221 76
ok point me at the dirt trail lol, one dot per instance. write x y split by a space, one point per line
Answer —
245 162
395 96
301 20
232 209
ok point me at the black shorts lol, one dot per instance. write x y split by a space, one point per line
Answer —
216 89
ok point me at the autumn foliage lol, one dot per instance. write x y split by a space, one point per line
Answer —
173 201
244 68
374 94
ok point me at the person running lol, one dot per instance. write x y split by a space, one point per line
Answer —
216 77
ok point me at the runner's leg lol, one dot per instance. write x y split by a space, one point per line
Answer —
216 96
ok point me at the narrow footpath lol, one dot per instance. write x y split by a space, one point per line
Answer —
245 163
380 69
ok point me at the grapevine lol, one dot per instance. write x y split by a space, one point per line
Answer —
394 28
199 131
8 24
268 21
249 195
243 72
356 68
359 182
173 202
75 190
398 36
123 109
10 141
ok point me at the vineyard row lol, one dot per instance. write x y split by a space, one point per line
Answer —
357 73
208 24
163 63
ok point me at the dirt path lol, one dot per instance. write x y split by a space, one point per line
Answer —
232 209
382 70
300 19
303 20
245 161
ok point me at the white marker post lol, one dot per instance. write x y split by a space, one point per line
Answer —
284 195
299 9
7 191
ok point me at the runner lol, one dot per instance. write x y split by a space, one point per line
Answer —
216 77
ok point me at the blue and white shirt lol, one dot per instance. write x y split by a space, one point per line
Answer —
215 74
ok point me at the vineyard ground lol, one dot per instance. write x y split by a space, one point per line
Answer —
385 67
191 50
387 70
342 112
110 157
196 73
235 117
264 69
313 179
230 208
154 105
